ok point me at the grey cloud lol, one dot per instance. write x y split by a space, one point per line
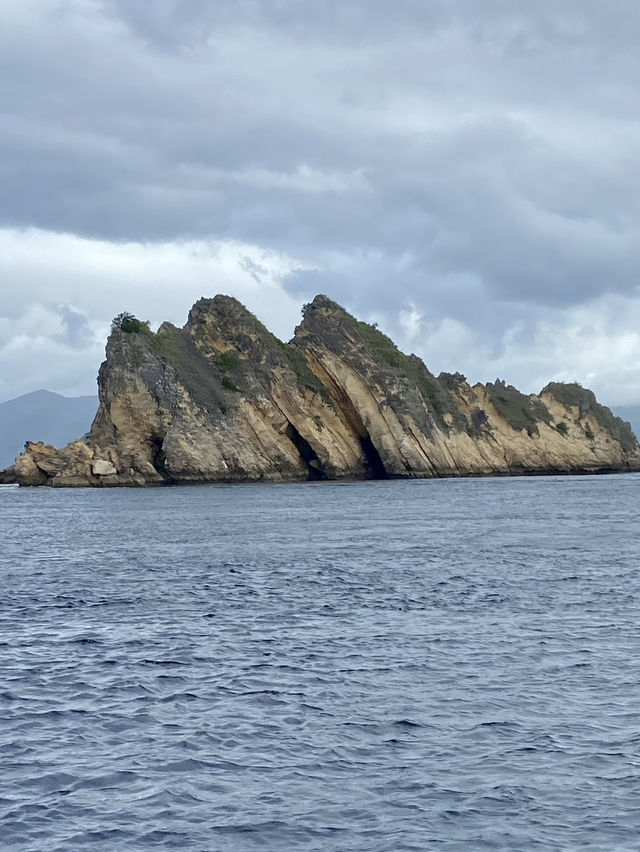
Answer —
386 288
478 161
518 25
77 332
175 23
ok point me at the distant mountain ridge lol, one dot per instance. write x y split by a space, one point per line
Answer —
43 416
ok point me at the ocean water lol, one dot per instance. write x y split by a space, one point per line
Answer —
446 665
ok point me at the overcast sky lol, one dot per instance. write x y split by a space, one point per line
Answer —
464 173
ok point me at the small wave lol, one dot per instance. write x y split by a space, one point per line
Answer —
227 679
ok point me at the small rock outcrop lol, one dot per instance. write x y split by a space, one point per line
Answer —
223 400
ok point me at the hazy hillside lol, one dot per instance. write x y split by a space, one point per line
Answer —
43 416
630 413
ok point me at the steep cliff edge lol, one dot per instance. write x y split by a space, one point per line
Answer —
420 425
223 400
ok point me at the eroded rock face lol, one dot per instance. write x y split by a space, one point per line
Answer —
223 400
8 476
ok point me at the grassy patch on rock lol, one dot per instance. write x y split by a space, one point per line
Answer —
572 394
523 413
180 352
434 392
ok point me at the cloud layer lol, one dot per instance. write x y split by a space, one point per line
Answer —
463 172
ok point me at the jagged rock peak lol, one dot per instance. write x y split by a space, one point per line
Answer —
223 323
226 309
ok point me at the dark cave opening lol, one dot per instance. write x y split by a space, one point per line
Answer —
158 459
372 456
307 454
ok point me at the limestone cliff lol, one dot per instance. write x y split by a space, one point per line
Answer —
223 400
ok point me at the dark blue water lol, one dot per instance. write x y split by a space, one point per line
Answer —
448 665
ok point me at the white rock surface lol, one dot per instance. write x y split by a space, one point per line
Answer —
102 467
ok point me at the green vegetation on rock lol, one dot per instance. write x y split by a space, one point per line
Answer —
437 397
435 393
229 384
382 345
180 352
130 324
521 412
228 361
257 336
573 394
298 364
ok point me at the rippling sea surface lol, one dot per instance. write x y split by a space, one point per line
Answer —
447 665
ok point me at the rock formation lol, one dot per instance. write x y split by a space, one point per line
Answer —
223 400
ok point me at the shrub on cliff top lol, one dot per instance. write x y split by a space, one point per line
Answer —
130 324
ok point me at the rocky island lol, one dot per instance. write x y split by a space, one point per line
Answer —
223 400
